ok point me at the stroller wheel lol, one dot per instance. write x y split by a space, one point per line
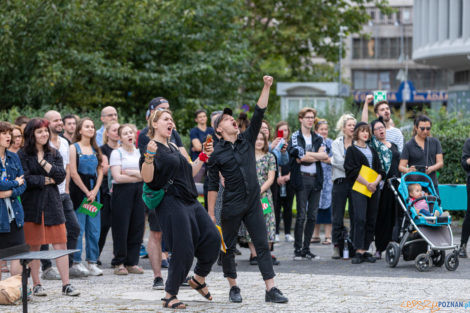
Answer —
422 262
392 254
452 261
438 258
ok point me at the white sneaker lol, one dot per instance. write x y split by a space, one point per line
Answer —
82 268
94 270
276 238
289 238
76 272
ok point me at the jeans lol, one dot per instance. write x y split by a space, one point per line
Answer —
365 215
340 194
90 227
308 200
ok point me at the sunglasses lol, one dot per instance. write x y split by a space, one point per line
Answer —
425 128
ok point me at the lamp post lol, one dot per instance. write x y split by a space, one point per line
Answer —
341 33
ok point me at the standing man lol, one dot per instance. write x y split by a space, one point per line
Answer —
71 223
108 115
305 154
382 109
234 158
199 133
70 124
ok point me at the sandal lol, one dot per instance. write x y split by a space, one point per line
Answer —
315 240
327 241
178 305
198 287
120 270
134 269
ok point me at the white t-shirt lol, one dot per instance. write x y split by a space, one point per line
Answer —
64 151
312 168
126 160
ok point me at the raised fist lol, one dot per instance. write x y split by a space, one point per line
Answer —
268 80
369 99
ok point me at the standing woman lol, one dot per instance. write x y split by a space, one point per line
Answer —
111 142
341 186
389 158
128 216
11 186
44 215
17 139
87 174
365 208
465 161
324 209
187 228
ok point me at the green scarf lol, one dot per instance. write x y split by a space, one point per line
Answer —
385 154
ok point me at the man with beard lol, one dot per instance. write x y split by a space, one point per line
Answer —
382 108
234 158
56 127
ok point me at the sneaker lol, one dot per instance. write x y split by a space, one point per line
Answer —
253 260
336 254
275 295
50 274
69 290
235 295
367 257
275 261
158 284
357 258
463 251
310 256
276 238
143 252
298 255
289 238
94 270
75 272
165 263
39 291
82 268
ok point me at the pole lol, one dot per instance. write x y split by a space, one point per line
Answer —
339 61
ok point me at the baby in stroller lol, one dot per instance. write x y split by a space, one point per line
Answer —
416 191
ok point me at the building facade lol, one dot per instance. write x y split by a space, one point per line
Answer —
442 39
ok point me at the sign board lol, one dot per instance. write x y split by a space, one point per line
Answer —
380 95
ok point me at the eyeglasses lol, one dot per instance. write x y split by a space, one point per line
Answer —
379 128
309 117
425 128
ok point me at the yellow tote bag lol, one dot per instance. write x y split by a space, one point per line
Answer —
222 243
370 176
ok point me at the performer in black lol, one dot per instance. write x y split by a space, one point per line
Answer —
187 228
234 158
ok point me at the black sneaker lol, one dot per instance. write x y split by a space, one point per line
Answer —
235 295
275 261
463 251
158 284
357 258
310 256
298 255
367 257
253 260
69 290
276 296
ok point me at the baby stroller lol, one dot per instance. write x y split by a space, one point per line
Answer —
424 239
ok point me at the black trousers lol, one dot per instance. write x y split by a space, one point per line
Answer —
254 221
188 232
365 215
72 227
106 219
385 218
128 223
284 204
340 194
466 221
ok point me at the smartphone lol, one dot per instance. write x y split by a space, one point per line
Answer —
280 134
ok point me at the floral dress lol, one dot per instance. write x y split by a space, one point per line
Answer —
263 165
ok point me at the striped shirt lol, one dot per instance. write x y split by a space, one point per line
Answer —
394 135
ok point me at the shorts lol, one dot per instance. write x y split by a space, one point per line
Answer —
154 224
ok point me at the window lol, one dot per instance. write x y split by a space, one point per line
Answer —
406 15
461 77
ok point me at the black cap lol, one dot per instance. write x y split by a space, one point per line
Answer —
156 102
226 111
360 124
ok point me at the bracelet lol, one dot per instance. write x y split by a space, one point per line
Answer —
203 157
151 153
149 156
43 162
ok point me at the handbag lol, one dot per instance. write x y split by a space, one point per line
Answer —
10 290
152 198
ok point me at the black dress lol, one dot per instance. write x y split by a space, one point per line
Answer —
188 231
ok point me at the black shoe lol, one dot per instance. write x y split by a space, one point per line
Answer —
165 263
298 255
309 255
234 295
275 261
367 257
253 260
463 251
357 258
158 284
69 290
275 295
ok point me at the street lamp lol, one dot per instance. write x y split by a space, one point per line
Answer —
341 33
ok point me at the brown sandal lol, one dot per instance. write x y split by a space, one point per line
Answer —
327 241
178 305
198 287
120 270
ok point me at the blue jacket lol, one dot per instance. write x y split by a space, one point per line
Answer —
14 170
